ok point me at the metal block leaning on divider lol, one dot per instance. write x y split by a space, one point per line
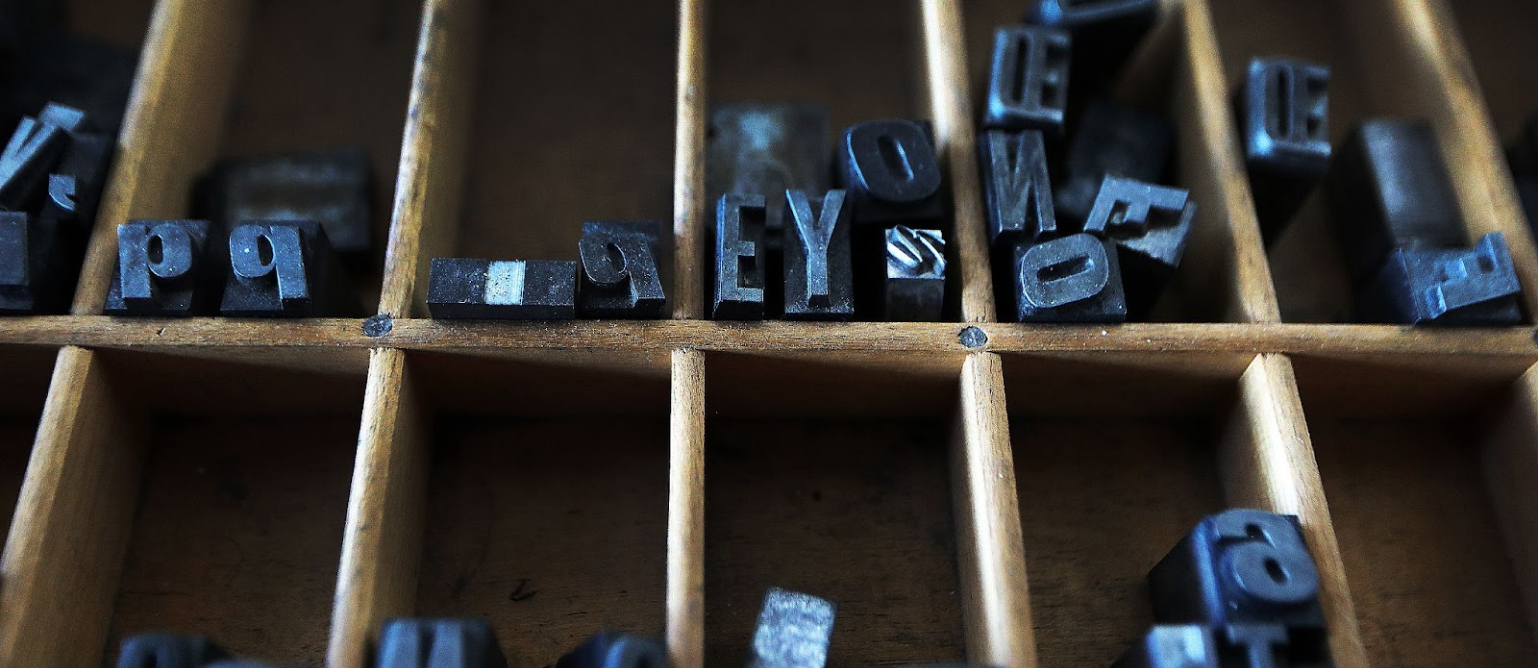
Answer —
914 285
439 643
819 260
1150 226
621 269
461 288
608 649
891 172
1068 279
1283 112
793 631
283 269
1111 140
737 285
166 268
1028 82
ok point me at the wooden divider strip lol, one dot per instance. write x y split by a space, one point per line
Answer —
1510 458
990 549
685 620
64 556
1267 462
429 187
382 546
950 107
691 213
172 127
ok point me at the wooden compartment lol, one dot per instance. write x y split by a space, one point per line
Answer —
1426 469
21 404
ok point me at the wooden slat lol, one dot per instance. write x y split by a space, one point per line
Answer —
690 210
1268 462
382 547
990 550
950 107
65 551
172 126
685 624
1510 458
430 185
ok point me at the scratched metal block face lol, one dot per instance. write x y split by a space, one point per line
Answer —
819 264
1017 189
30 154
765 149
915 275
165 650
1445 286
333 188
1150 226
891 172
439 643
166 268
622 265
460 288
1028 83
616 650
1068 279
283 269
793 631
738 284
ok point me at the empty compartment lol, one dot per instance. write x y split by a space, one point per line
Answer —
1116 460
831 477
241 499
1427 468
546 496
28 370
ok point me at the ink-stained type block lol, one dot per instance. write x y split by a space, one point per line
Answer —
819 260
37 271
1017 189
1445 286
914 285
1388 188
738 289
1239 566
1028 83
166 268
283 269
766 149
1150 226
30 154
459 288
334 188
439 643
621 270
166 650
1068 279
616 650
1105 34
1112 140
1283 112
1230 646
891 172
793 631
75 185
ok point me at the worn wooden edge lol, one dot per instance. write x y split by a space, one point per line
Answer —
995 596
690 210
1227 248
382 543
172 127
950 107
1510 462
64 555
1420 66
1267 462
429 186
685 614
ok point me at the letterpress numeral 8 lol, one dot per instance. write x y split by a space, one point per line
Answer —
1263 558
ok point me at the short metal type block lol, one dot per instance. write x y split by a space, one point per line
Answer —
621 270
1239 566
819 260
1028 85
1016 188
616 650
793 631
439 643
282 269
915 275
74 187
166 268
1105 34
333 188
1445 286
1283 112
166 650
765 149
1150 225
34 148
460 288
37 271
738 290
891 172
1231 646
1388 188
1112 140
1069 279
